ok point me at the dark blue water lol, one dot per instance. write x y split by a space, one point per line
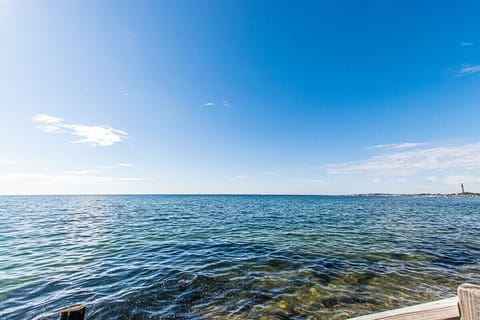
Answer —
232 257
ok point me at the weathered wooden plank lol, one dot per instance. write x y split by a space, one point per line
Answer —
446 309
75 312
469 301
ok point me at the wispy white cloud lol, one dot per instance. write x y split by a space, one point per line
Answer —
48 123
465 70
396 146
6 161
269 173
79 172
240 177
107 167
225 103
405 163
94 135
43 119
125 164
376 180
307 180
118 165
466 44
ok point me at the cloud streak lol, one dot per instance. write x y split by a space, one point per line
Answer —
80 172
126 165
66 178
118 165
94 135
396 146
240 177
6 161
466 70
225 103
406 163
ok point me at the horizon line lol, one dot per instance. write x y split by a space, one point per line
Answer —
234 194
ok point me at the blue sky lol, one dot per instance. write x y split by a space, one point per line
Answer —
239 97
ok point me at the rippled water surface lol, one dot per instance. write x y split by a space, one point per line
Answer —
232 257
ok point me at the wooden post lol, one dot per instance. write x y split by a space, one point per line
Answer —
469 301
75 312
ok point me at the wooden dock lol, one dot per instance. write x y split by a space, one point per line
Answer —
466 306
446 309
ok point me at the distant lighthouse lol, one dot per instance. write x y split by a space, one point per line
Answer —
463 191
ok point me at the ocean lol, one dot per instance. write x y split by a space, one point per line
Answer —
232 257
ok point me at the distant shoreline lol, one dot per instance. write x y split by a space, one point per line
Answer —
430 195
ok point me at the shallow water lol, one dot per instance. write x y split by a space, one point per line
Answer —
232 257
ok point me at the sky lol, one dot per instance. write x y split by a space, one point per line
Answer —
249 97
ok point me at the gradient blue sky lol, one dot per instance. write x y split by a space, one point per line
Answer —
281 97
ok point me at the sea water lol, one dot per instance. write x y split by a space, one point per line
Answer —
232 257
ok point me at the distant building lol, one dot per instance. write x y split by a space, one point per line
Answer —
463 190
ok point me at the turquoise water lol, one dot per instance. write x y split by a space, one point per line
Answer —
232 257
